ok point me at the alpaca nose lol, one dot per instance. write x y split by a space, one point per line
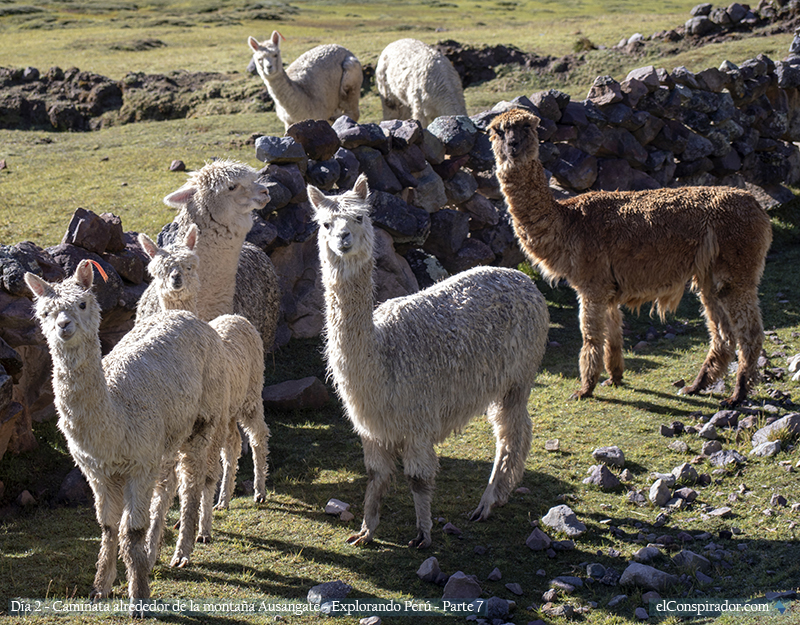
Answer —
66 328
176 279
345 240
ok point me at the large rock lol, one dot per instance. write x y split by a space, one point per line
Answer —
462 586
308 393
647 577
790 423
611 456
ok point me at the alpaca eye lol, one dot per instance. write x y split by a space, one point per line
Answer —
327 225
231 187
359 219
83 306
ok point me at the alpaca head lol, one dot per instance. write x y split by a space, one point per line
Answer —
514 138
174 268
224 191
345 233
67 312
267 55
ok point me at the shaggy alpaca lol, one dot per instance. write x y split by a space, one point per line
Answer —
629 248
234 276
323 83
420 367
174 271
158 394
417 82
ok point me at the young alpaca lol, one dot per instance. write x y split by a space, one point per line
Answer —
420 367
323 83
234 276
629 248
158 394
176 281
417 82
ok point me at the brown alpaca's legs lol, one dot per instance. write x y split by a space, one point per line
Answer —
721 353
420 465
749 331
612 355
512 429
593 329
379 463
108 507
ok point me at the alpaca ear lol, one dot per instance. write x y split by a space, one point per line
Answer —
316 197
84 274
276 38
361 187
535 121
253 43
149 247
181 197
37 285
190 240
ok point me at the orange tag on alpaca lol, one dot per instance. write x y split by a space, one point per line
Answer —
100 269
281 36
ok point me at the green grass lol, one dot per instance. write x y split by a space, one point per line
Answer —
283 547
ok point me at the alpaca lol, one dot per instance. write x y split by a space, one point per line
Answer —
417 82
629 248
159 394
174 272
420 367
234 276
323 83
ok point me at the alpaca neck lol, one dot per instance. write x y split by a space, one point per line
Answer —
186 301
351 336
81 393
538 218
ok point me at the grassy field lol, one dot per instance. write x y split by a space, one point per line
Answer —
283 547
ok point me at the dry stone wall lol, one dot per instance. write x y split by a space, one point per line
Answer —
436 201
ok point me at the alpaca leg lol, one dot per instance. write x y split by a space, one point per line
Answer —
163 495
513 432
212 478
749 332
420 465
721 351
593 329
138 496
258 432
192 473
612 355
379 463
229 453
108 507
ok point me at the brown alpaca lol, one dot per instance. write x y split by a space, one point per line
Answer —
632 247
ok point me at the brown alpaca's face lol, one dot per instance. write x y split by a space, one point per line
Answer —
514 138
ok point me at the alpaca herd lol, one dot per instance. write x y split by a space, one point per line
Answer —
163 411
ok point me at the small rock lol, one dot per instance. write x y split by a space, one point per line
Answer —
688 494
564 611
711 447
308 393
650 595
626 476
479 550
563 545
522 490
659 493
647 577
449 528
429 570
616 600
551 445
25 499
370 620
462 586
685 474
595 570
563 519
766 449
726 457
495 575
722 513
346 516
322 593
703 578
689 561
611 456
645 555
538 540
641 614
601 476
550 595
177 165
667 431
515 588
334 506
778 500
708 431
679 446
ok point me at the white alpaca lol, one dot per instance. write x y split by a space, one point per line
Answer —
235 277
158 395
323 83
420 367
417 82
176 281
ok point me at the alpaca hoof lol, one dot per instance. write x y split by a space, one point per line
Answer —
221 506
204 539
179 562
362 538
421 541
259 499
611 382
580 395
481 513
96 595
729 403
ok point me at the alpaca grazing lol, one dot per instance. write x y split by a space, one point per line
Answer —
235 276
418 82
176 281
629 248
323 83
420 367
158 395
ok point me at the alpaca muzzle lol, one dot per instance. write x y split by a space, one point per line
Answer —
66 327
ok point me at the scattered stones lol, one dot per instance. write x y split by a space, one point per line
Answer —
451 529
766 449
723 512
711 447
641 614
790 423
659 493
495 575
370 620
595 570
645 555
322 593
538 540
515 589
25 499
601 476
708 431
726 457
679 446
685 474
689 562
429 570
562 611
611 456
616 600
551 445
563 519
335 506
